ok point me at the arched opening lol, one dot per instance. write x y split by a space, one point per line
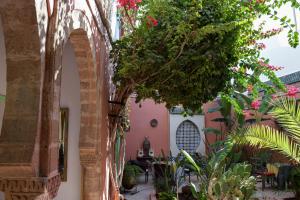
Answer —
2 75
70 101
79 96
188 137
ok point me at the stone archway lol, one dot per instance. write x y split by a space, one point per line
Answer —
88 116
78 31
89 125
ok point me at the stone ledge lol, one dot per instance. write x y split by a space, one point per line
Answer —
31 187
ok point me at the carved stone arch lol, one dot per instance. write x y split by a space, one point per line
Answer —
88 90
20 122
80 34
76 28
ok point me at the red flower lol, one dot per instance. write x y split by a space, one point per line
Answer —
151 21
292 91
129 4
255 104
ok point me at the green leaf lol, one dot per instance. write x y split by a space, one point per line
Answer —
2 98
191 160
194 190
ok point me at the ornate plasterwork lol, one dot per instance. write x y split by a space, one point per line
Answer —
30 188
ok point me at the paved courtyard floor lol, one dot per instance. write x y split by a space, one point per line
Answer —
145 190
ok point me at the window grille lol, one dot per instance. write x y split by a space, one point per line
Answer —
188 137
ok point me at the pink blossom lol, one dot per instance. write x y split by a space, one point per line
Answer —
292 91
271 32
129 4
261 46
271 67
255 104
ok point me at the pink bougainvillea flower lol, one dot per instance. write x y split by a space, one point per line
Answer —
261 46
151 21
271 32
271 67
292 91
250 88
255 104
129 4
260 1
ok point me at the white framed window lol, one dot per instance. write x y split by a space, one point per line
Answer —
188 137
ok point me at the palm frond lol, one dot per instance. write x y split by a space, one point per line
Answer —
287 114
267 137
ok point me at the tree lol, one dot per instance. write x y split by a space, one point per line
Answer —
187 52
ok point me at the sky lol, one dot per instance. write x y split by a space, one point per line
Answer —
278 50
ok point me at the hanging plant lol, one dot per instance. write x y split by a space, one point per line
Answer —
186 52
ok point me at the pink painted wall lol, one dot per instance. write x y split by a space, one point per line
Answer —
140 127
211 138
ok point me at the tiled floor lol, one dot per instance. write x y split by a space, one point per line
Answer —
269 194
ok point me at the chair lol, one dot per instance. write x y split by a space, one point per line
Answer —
283 176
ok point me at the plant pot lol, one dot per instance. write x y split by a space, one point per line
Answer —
129 182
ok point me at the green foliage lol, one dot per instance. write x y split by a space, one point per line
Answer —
198 49
235 183
295 179
221 181
287 113
129 175
2 98
167 196
132 170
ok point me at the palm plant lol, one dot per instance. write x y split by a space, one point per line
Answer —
286 112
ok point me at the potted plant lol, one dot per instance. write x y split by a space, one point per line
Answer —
130 174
